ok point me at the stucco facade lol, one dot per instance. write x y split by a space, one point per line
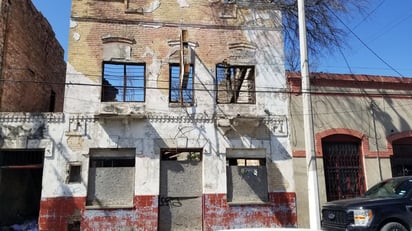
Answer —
135 151
370 113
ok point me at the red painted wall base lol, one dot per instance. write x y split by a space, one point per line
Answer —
58 213
280 211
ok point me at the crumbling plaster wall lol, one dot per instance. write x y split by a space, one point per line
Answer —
156 34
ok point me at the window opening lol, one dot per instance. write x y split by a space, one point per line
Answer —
235 84
178 93
123 82
74 175
245 162
181 154
52 101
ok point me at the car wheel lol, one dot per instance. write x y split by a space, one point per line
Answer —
393 226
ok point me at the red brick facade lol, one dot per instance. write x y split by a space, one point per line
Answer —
32 66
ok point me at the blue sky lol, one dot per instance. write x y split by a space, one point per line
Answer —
385 32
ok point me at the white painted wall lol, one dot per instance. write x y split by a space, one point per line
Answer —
152 125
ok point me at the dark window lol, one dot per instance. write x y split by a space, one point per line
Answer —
74 173
123 82
181 90
235 84
401 160
52 101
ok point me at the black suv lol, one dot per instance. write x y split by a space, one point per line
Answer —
387 206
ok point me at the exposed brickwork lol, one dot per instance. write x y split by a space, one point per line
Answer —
32 61
279 212
57 213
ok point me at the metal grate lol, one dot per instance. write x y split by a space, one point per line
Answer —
9 158
401 160
343 170
332 218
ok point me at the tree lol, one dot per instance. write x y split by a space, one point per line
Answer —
322 26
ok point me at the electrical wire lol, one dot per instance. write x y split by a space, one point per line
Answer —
368 15
364 44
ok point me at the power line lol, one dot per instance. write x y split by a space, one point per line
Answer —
364 44
369 14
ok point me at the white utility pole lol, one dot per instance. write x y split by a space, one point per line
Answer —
313 190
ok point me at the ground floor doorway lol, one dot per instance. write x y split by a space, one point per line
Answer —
180 199
21 174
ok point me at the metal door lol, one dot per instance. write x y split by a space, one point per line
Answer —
180 199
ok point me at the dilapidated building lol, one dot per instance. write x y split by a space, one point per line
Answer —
175 118
32 66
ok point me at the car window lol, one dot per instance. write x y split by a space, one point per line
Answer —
390 188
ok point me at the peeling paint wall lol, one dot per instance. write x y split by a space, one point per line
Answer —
124 31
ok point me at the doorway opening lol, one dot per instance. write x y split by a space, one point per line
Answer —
21 174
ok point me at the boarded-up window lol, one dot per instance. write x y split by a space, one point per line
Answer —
235 84
111 178
246 176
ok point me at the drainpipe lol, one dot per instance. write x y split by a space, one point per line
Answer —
313 187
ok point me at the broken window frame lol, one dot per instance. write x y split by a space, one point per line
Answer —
233 87
251 175
110 159
174 86
123 82
193 154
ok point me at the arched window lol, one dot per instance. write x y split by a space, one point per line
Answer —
343 167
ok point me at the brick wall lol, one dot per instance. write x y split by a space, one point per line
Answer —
33 66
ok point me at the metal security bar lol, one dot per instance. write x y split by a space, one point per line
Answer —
343 170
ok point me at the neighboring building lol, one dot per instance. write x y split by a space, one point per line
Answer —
143 145
32 79
363 133
32 66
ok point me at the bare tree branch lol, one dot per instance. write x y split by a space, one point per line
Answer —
323 31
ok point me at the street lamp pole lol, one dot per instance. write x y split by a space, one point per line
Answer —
313 190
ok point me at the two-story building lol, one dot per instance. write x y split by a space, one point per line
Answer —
175 118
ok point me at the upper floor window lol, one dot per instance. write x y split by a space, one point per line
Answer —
235 84
123 82
181 89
